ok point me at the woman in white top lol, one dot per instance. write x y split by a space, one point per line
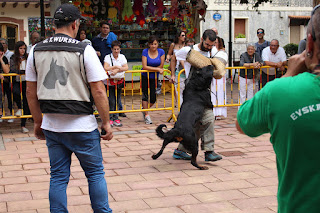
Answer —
218 86
18 64
115 64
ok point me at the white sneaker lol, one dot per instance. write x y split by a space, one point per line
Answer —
10 120
148 119
18 113
24 130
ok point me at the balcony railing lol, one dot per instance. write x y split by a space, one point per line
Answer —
275 3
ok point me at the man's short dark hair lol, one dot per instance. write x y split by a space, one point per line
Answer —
115 43
209 34
104 23
261 30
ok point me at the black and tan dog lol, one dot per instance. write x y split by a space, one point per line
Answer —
196 97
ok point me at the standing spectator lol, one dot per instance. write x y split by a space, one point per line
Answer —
288 109
115 64
207 48
246 78
261 44
4 68
18 64
218 86
83 37
6 81
175 66
35 38
176 45
68 123
276 57
152 60
102 42
7 52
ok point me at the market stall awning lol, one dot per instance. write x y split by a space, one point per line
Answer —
298 20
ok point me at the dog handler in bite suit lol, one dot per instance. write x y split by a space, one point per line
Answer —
207 48
62 74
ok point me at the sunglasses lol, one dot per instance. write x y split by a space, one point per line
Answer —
313 33
259 33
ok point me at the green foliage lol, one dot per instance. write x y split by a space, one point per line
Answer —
291 49
239 35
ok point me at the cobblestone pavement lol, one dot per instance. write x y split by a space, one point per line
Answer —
245 180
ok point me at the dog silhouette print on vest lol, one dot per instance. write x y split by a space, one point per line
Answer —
55 73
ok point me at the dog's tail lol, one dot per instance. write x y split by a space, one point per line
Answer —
159 131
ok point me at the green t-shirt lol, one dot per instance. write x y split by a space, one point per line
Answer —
289 108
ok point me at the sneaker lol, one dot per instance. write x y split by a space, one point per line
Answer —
10 120
212 156
122 115
117 123
111 123
181 155
18 113
147 119
24 130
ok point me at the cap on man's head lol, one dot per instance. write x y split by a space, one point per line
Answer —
67 13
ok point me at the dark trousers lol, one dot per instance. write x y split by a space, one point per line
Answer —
7 92
152 84
114 101
17 98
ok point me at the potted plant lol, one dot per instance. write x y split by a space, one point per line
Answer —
240 38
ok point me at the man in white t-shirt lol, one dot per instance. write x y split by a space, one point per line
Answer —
62 75
207 48
274 56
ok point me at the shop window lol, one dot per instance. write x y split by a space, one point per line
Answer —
240 30
9 32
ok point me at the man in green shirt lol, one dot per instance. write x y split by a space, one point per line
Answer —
289 109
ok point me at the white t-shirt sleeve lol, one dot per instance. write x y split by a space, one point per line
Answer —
31 74
107 59
181 55
123 60
265 54
94 70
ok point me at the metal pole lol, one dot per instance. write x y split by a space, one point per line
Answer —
43 33
230 33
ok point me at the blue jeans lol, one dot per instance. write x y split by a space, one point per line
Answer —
86 146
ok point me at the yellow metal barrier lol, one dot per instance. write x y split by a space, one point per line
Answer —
126 95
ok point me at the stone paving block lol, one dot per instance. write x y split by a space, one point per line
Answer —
112 145
138 170
248 160
4 156
213 169
130 139
259 148
134 153
26 187
210 207
229 185
194 180
129 205
3 207
244 168
210 197
20 161
148 147
147 163
182 190
164 175
38 178
78 175
236 176
44 194
125 178
260 191
255 203
266 173
152 184
78 200
36 166
24 173
12 180
271 165
234 145
15 196
273 181
136 194
27 205
80 209
34 155
118 187
2 189
159 210
162 202
121 159
10 168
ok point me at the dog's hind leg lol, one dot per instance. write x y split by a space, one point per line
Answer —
164 144
194 153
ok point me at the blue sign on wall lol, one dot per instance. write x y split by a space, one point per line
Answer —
217 16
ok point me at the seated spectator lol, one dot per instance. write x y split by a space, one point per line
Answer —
115 64
248 59
276 57
152 60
